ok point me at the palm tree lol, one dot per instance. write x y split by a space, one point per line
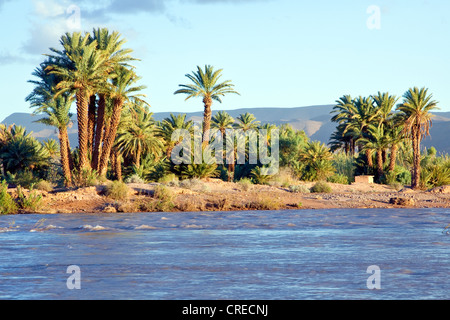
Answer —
83 70
169 125
110 45
205 85
344 111
57 111
376 140
123 92
416 116
317 159
385 103
140 136
246 121
222 121
58 115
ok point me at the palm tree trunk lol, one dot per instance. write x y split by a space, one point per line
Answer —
137 160
91 121
379 164
118 165
111 136
65 156
369 158
83 132
206 118
416 161
393 158
99 132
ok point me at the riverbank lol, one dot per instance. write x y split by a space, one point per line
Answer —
217 195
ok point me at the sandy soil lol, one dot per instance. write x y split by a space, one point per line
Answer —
216 195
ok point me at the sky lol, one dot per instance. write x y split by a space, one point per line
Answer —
277 53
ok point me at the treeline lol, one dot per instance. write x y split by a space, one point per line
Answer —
118 138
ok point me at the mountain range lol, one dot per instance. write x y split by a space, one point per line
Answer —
314 120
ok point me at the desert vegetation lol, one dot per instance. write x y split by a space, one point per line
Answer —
119 140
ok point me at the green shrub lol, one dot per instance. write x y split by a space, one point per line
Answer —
31 202
7 203
169 179
117 190
245 184
44 186
299 189
321 187
164 193
85 178
134 178
25 179
338 178
259 176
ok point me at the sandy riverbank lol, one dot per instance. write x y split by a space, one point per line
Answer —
216 195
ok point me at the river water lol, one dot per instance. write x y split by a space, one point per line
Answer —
263 255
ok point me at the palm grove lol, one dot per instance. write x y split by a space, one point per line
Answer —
118 137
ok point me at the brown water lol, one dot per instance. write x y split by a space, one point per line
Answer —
264 255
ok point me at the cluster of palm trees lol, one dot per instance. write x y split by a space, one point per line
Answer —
93 71
377 125
116 129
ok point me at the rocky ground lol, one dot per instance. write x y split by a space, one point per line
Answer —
216 195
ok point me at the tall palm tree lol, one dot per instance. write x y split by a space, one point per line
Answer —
83 70
206 85
57 111
417 119
343 111
169 125
385 103
123 91
140 136
58 115
110 45
222 121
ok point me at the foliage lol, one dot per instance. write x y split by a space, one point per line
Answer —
32 201
338 178
44 185
7 203
299 189
259 176
85 178
321 187
117 190
317 161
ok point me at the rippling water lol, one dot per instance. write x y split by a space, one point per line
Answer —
307 254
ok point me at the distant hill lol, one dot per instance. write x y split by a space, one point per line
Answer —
314 120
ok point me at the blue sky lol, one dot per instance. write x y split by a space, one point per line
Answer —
278 53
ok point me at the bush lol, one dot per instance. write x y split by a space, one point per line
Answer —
259 176
7 204
321 187
169 179
245 184
85 178
338 178
135 178
44 186
299 189
31 202
25 179
117 190
164 193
